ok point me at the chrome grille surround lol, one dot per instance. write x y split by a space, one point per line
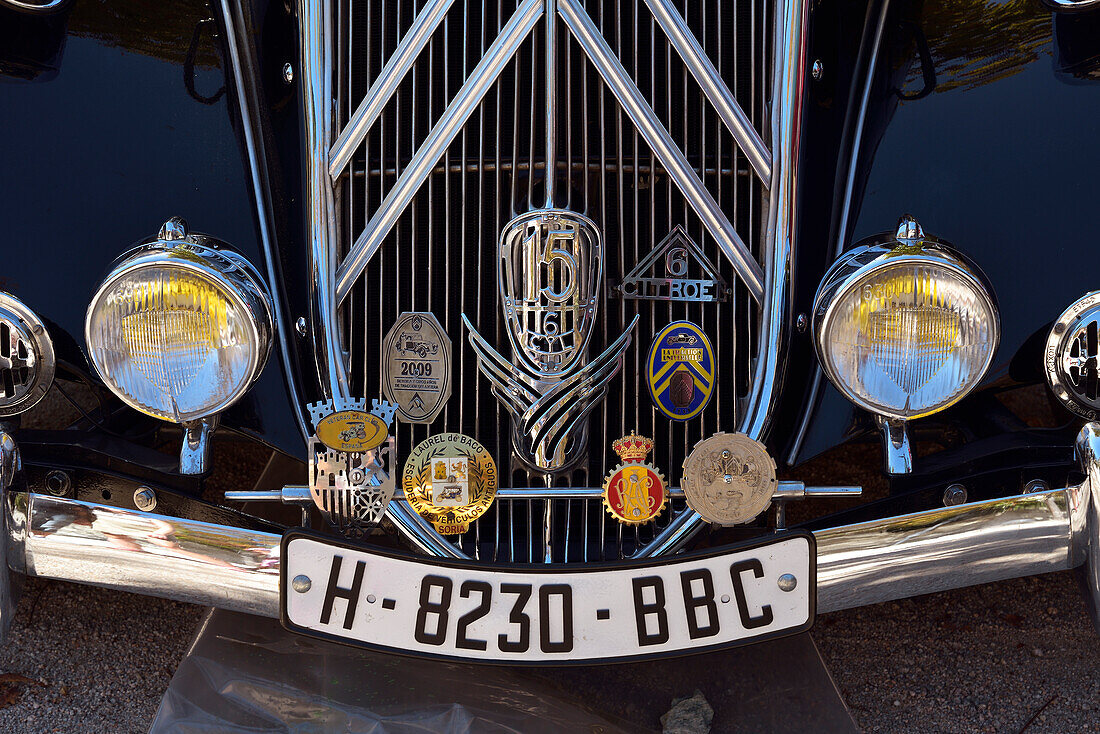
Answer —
376 197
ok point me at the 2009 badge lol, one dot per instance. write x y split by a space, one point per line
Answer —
680 370
416 367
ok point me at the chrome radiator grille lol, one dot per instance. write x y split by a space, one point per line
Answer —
440 254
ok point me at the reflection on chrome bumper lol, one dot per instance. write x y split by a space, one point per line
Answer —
860 564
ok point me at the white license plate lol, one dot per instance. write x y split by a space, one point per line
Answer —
543 615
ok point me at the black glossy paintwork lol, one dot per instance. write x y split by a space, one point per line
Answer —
1000 158
130 126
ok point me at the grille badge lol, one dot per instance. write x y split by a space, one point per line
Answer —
550 273
679 255
352 488
680 370
416 366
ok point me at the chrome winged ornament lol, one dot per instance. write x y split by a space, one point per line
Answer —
550 272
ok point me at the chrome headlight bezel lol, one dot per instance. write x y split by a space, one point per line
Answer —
209 258
880 252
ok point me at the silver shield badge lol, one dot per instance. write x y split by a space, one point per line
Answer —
550 275
352 488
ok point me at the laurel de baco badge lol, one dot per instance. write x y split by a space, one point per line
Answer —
680 370
634 492
729 478
451 480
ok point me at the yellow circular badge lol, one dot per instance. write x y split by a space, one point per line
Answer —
353 431
451 480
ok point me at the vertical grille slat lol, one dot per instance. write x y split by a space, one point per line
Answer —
441 255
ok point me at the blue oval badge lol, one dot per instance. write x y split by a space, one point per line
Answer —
680 370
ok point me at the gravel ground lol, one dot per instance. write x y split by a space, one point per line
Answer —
999 658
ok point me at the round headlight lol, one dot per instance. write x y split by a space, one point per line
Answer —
905 327
181 327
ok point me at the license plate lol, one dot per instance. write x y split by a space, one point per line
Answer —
542 615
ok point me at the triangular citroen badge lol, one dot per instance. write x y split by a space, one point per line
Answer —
675 282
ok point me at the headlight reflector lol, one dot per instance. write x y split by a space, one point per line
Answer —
905 328
180 328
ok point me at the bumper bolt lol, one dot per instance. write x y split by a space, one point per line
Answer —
288 73
817 70
301 583
787 582
955 494
145 499
58 483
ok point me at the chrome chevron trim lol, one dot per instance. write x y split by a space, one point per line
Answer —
664 147
788 82
710 81
427 20
449 125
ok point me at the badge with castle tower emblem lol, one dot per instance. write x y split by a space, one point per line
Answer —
351 462
634 492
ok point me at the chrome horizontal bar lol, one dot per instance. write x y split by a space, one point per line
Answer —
664 147
859 564
289 495
298 494
946 548
449 125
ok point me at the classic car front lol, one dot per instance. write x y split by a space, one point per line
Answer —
502 332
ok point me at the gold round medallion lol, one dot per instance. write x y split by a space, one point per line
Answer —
451 480
729 478
354 431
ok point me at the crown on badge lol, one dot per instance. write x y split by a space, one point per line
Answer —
633 447
384 410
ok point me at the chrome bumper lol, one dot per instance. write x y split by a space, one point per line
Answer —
859 564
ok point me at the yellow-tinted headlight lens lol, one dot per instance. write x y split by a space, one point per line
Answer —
175 341
908 336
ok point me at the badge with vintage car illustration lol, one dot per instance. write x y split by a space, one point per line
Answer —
634 492
351 430
729 478
451 480
416 367
680 370
352 476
